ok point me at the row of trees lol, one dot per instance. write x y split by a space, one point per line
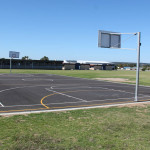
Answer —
45 58
126 65
146 67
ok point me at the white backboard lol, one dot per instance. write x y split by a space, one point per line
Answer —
13 54
107 39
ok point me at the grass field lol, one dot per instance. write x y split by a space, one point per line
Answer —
115 128
105 129
131 75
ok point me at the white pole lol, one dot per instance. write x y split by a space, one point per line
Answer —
10 64
137 70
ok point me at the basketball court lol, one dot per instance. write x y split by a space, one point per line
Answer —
42 92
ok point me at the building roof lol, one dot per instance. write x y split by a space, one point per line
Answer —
93 62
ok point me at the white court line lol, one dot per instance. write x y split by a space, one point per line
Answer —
1 104
17 75
35 79
24 105
118 90
54 87
21 87
70 109
10 79
66 95
13 88
77 87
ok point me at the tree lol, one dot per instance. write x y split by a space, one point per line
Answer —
25 58
45 58
120 65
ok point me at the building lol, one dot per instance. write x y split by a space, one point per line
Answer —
87 65
69 64
31 64
98 65
56 64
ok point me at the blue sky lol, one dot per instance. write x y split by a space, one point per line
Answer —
68 29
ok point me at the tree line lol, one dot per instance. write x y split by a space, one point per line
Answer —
44 58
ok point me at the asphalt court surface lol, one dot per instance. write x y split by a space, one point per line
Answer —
34 92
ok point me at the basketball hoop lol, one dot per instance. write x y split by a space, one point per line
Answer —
12 55
107 39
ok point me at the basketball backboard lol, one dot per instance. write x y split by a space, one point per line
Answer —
13 54
107 39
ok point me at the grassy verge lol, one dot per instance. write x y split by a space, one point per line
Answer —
130 75
108 128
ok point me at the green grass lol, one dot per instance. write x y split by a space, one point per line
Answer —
105 129
131 75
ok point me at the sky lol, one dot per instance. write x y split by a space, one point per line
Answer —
68 29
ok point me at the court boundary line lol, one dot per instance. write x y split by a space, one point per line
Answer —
21 87
28 75
71 109
1 104
37 79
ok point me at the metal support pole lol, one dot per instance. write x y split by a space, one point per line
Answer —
137 69
10 65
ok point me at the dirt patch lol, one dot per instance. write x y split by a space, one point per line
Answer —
115 79
140 104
